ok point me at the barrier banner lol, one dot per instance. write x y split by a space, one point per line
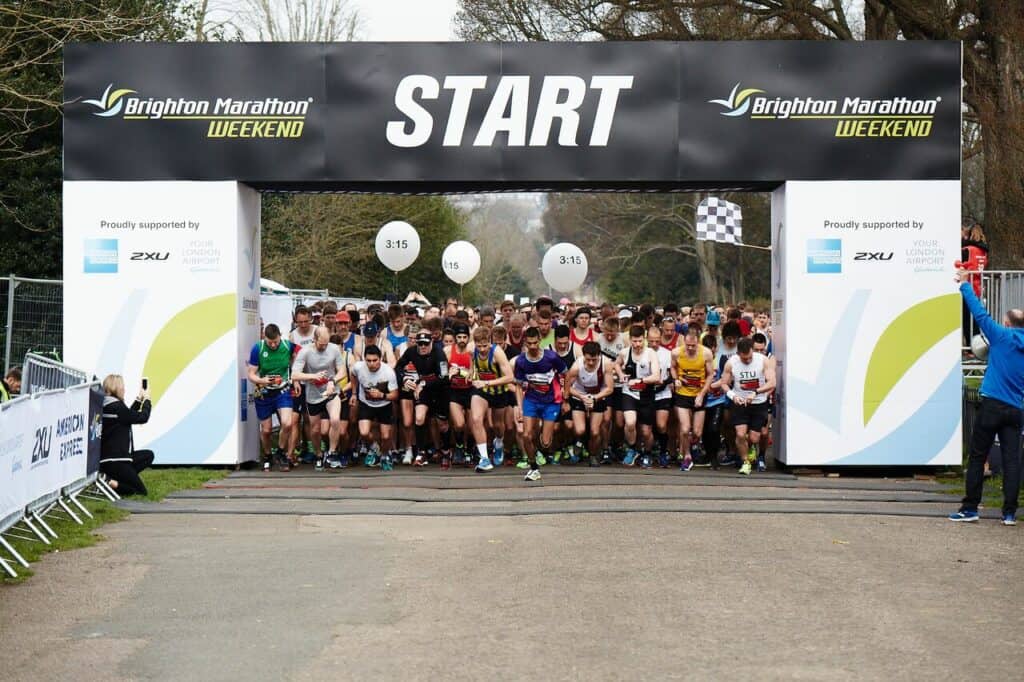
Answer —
43 446
95 430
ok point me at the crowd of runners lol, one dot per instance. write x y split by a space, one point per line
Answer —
540 385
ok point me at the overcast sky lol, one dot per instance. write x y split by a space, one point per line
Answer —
406 20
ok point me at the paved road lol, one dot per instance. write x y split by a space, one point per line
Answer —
685 594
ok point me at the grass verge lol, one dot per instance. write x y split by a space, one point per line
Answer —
159 482
991 497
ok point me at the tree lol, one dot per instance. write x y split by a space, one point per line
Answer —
327 241
33 34
298 20
993 70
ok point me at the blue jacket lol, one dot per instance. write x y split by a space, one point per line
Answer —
1004 378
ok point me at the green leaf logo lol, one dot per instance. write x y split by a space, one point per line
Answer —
903 342
185 336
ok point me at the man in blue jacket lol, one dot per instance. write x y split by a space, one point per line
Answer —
1002 396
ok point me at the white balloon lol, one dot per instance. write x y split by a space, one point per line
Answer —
397 245
979 346
564 267
460 261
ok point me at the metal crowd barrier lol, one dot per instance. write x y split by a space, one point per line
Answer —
45 374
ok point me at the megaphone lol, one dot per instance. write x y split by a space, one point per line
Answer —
979 346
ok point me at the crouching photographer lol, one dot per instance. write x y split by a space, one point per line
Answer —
120 462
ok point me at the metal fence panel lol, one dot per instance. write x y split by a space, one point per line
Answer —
33 318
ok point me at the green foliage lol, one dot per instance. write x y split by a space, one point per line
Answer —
327 241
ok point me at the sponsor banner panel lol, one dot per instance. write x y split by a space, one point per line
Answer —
870 347
165 306
43 446
302 115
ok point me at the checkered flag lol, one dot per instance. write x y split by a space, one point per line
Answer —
719 221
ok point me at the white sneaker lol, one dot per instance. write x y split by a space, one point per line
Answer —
484 465
532 475
407 459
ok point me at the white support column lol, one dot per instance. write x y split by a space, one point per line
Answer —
161 280
867 322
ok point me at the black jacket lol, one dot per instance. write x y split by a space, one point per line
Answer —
116 442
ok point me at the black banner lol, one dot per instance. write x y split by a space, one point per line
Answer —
381 116
95 427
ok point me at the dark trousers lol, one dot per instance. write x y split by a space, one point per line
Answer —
713 432
994 417
127 473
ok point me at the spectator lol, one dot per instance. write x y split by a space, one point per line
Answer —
120 462
974 256
10 385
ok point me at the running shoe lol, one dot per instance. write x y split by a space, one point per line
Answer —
745 469
387 462
686 464
333 460
523 463
645 461
762 466
1009 519
420 461
319 463
630 457
499 453
484 465
307 457
371 459
594 461
266 466
730 460
344 460
532 475
574 455
663 460
407 459
606 456
446 460
460 455
557 459
964 515
541 459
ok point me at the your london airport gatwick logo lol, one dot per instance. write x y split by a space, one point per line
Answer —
223 117
854 116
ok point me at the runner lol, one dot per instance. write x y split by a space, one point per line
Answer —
493 376
692 372
545 325
637 367
301 337
319 366
591 381
763 346
268 370
422 373
582 332
499 336
568 352
372 336
538 398
516 326
612 343
377 390
748 377
343 328
396 330
662 394
460 389
670 338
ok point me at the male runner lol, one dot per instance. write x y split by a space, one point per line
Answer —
748 377
670 338
582 332
612 343
492 380
268 369
460 388
422 373
545 323
763 346
516 325
568 352
378 389
301 337
396 330
319 366
538 397
692 373
591 381
638 369
662 394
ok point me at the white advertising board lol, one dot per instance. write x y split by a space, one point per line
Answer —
869 315
161 280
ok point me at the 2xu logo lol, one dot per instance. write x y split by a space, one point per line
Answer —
41 450
873 255
150 255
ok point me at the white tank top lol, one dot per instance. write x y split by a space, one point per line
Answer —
589 382
302 341
665 365
611 349
747 378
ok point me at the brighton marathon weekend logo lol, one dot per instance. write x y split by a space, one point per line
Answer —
854 116
224 117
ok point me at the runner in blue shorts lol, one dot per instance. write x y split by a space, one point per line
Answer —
538 375
269 368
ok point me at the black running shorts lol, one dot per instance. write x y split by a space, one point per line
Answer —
754 416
